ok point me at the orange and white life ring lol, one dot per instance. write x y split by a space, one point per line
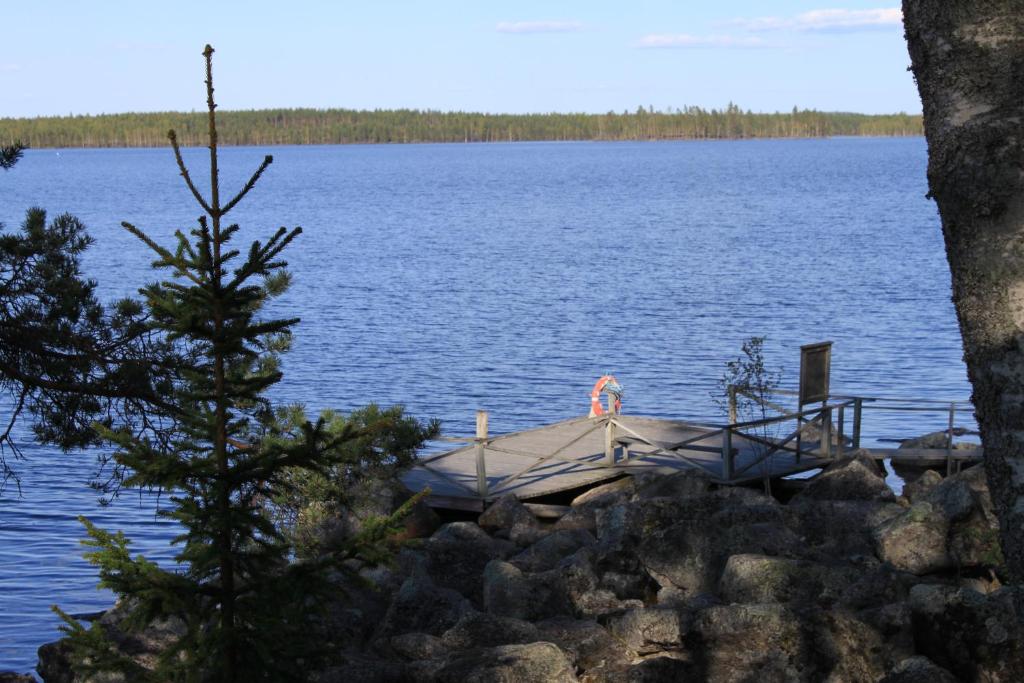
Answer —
611 384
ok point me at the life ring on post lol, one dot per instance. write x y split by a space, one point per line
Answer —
611 385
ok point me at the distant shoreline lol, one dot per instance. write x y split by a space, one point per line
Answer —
342 126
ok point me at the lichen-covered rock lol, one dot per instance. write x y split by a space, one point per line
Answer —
629 586
417 646
840 528
587 644
976 637
546 553
650 629
928 480
508 518
691 555
488 630
531 663
12 677
915 540
683 484
455 557
918 669
422 607
741 643
853 478
509 592
749 578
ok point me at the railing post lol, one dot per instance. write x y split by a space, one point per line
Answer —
727 462
609 432
949 439
858 404
839 430
732 403
826 432
481 443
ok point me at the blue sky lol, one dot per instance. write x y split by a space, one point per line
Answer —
69 56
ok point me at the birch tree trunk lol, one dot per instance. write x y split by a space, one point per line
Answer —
968 59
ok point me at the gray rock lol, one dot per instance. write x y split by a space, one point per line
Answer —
841 528
488 630
612 493
751 578
741 643
650 629
691 555
417 646
506 513
853 478
915 540
508 592
549 551
532 663
918 670
455 557
587 644
629 586
976 637
601 603
422 607
577 518
683 484
12 677
914 490
934 440
362 669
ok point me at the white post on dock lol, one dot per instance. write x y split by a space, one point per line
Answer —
609 432
949 440
727 463
732 404
481 443
840 436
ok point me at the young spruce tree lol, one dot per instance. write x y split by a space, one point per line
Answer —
242 600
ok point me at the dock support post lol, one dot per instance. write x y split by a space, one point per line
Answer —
826 432
727 462
481 443
949 440
609 432
732 403
858 404
839 429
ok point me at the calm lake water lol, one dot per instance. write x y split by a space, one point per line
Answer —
509 277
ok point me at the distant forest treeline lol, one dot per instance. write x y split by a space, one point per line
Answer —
342 126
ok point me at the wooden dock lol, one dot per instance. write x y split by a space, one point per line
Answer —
585 451
574 453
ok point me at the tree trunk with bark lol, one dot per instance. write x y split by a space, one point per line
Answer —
968 59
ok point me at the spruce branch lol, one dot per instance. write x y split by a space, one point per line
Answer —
173 137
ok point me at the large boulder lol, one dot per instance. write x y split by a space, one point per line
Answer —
742 643
456 555
587 643
531 663
508 518
976 637
840 528
682 484
551 549
585 506
915 540
916 489
509 592
650 629
488 630
420 606
749 578
918 669
853 478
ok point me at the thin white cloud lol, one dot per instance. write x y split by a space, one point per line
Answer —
9 68
836 20
539 26
685 40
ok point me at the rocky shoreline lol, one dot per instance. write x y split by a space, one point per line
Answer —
670 579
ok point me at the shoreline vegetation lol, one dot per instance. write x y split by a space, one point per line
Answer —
348 126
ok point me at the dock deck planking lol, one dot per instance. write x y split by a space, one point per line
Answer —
582 462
